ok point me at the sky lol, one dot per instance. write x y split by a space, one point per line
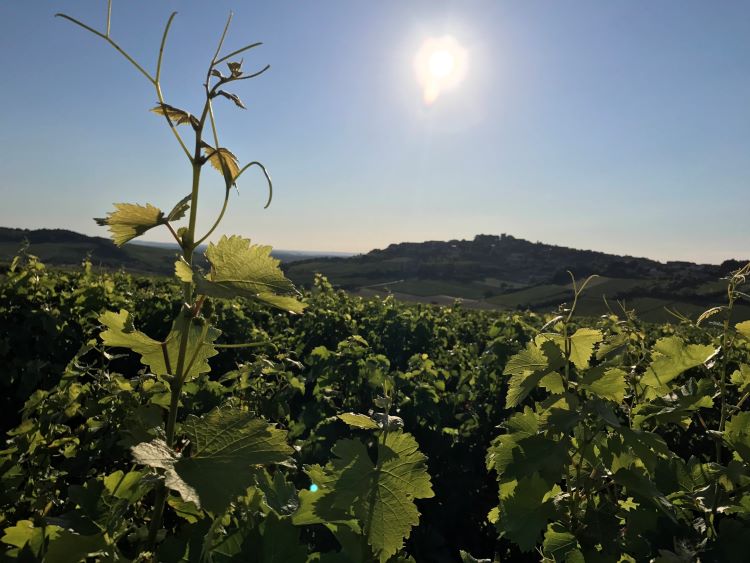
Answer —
620 126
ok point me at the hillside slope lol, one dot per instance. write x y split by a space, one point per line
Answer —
506 272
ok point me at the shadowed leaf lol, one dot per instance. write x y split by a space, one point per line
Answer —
234 97
225 443
224 161
382 501
121 333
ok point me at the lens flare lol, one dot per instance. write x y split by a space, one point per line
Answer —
440 65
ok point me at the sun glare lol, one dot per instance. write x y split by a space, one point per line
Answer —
440 65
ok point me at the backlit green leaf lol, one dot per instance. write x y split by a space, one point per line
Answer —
671 357
741 378
359 421
558 542
525 513
242 269
582 344
527 368
737 434
743 329
224 161
676 407
130 220
607 383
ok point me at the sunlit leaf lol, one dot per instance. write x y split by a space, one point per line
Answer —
527 369
741 378
671 357
359 421
676 407
607 383
558 542
582 343
242 269
130 220
737 434
743 329
525 513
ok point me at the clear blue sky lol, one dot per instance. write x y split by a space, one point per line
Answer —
621 126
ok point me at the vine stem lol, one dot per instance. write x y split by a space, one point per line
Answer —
188 248
153 80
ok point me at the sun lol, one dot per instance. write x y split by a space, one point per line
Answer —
440 65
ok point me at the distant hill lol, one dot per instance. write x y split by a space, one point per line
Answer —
488 272
60 247
507 272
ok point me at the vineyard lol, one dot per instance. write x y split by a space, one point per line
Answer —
219 414
366 430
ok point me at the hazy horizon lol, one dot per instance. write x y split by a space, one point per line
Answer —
620 127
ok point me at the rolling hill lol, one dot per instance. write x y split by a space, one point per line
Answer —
488 272
511 273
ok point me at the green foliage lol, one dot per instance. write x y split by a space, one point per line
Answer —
378 498
601 461
224 444
163 357
620 451
242 269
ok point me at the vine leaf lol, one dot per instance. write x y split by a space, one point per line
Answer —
744 329
380 497
121 333
741 378
558 542
224 161
359 421
225 443
672 357
527 369
235 68
234 97
179 210
737 434
525 513
607 383
582 344
130 220
279 495
68 546
242 269
676 407
176 115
